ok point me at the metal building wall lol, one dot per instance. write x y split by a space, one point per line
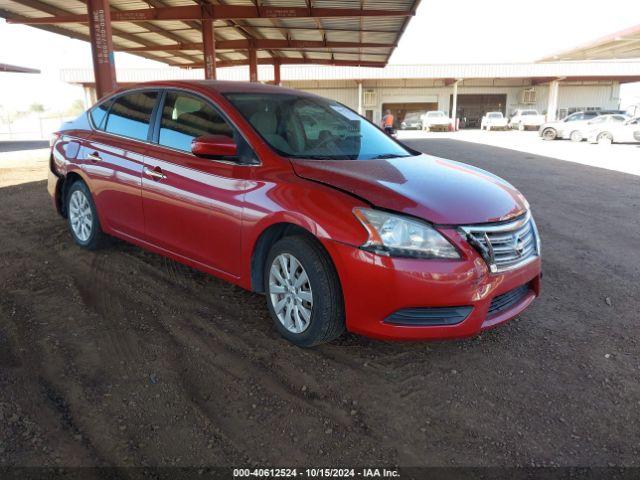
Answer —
604 95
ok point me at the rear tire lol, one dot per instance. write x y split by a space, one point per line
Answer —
303 292
83 217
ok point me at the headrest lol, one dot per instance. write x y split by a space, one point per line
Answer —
265 122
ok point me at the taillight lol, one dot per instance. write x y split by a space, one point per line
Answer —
54 138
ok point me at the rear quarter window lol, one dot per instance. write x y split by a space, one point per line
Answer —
99 113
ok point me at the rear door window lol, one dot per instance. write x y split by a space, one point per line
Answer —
185 117
130 114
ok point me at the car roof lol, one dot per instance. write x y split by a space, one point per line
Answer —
222 86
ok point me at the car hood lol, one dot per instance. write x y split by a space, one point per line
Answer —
440 191
437 120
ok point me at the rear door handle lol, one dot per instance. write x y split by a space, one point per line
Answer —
156 174
94 157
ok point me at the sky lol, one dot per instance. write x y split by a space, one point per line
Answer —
485 31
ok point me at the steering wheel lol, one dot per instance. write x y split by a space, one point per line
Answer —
324 139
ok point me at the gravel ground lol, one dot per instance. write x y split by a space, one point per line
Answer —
121 357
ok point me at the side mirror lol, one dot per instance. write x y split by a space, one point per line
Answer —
214 146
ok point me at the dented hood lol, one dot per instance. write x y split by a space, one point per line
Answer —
437 190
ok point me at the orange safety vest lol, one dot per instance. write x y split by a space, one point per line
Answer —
387 120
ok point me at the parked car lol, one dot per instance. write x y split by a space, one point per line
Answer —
231 179
412 121
493 121
608 129
524 119
600 121
572 126
436 121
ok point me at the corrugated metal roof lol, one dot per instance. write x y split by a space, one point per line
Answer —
620 45
153 34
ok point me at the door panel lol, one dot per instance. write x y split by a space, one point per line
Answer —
193 206
114 158
114 167
196 210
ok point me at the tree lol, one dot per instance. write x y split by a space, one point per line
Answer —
36 107
76 108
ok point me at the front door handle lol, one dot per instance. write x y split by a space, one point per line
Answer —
94 157
155 174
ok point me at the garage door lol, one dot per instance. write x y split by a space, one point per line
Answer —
471 107
402 110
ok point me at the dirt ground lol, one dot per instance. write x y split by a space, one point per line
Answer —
22 167
121 357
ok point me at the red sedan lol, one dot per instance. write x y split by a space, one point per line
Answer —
298 197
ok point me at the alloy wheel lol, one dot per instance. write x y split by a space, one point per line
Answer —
549 134
80 215
605 139
290 293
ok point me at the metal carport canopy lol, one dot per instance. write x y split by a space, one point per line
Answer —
208 33
624 44
5 67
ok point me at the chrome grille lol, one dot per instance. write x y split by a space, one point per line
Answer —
506 245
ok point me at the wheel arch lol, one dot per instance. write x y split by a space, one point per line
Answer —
265 240
68 180
552 129
605 132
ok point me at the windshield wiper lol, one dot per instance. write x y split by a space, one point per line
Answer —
320 157
388 155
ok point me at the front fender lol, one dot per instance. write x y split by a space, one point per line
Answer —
324 212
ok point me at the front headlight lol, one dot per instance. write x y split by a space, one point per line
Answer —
400 236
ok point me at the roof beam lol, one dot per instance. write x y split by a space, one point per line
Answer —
262 44
324 29
295 61
215 12
52 10
150 27
4 67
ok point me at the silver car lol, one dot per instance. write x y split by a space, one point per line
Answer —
573 126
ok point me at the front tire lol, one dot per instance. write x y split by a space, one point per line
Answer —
303 292
576 136
605 138
83 218
549 134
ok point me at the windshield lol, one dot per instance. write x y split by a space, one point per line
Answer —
313 127
494 115
435 114
529 112
412 117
